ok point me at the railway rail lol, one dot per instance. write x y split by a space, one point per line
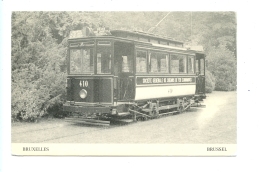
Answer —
78 128
198 125
46 134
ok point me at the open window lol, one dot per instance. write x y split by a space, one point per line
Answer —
200 64
191 64
178 63
141 61
158 62
104 60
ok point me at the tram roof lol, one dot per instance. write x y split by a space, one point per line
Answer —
136 35
142 37
125 33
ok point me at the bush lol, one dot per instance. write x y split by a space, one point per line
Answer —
222 64
33 98
210 82
38 84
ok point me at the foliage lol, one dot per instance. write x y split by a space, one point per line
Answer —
222 64
210 82
37 80
215 30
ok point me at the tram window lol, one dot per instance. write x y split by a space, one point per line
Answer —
202 66
104 43
163 43
75 61
190 64
127 65
104 60
87 61
172 44
132 37
163 63
154 41
178 64
141 62
88 43
74 44
143 39
178 45
158 63
174 64
153 62
197 66
81 61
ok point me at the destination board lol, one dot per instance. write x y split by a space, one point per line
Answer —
163 80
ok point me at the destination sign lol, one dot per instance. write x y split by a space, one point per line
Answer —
163 80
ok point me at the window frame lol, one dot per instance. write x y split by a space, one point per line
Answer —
197 65
186 63
146 61
102 47
202 66
194 70
81 48
149 61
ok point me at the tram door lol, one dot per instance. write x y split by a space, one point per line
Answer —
123 71
200 72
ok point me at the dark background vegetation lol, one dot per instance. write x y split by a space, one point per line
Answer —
39 41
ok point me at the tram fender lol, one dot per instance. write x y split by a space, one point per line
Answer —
86 109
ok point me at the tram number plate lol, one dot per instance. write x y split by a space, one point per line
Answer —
83 83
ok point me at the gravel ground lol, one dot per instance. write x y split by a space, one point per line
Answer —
215 124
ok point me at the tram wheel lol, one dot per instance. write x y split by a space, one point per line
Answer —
138 119
181 109
144 118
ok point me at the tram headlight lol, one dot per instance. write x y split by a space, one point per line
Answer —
83 93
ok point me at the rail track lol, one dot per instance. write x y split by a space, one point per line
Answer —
70 135
198 125
60 131
50 133
65 129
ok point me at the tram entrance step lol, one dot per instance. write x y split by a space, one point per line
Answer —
123 120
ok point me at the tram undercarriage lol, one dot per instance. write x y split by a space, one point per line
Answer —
127 112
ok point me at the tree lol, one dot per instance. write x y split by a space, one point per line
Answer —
222 64
215 29
37 80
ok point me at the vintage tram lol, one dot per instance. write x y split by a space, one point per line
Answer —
130 76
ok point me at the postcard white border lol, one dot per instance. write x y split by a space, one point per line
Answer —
248 127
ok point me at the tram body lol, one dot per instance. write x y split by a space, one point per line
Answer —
131 75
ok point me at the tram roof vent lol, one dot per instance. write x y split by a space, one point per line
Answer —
87 32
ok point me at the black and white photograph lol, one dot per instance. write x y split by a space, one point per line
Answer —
124 78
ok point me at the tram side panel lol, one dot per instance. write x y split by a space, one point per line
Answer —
164 87
84 91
